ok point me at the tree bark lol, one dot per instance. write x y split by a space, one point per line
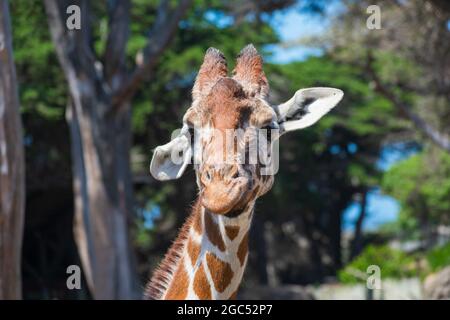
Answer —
100 125
102 193
12 167
357 243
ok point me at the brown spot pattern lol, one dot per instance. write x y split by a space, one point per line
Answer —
201 285
213 232
178 288
193 251
221 272
243 249
232 232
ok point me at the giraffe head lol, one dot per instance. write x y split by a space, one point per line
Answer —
230 133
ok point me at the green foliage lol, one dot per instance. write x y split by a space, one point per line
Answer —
43 97
361 120
422 185
405 227
393 68
42 84
362 111
393 264
439 257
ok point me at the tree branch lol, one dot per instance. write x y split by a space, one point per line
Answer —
159 38
440 139
73 47
60 40
116 43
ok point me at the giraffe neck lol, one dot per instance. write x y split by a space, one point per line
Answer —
208 258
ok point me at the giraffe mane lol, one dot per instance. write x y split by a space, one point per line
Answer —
164 273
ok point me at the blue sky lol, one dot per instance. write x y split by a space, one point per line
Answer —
291 25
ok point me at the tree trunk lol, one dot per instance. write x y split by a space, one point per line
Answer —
357 243
335 236
12 167
100 151
100 126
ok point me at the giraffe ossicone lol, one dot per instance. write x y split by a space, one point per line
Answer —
230 135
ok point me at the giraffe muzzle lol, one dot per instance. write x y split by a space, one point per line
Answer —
220 197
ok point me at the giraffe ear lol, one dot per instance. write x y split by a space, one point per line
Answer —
170 160
306 107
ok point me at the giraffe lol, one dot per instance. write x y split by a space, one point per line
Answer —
208 258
